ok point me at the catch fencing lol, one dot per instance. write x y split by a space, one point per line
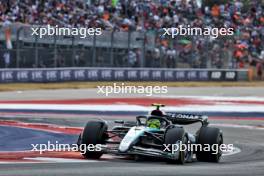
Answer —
114 49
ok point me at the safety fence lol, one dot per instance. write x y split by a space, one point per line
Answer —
113 49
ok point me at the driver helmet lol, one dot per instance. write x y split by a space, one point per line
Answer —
154 123
157 111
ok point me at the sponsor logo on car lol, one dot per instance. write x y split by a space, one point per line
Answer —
184 116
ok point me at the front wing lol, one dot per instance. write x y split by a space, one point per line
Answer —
136 150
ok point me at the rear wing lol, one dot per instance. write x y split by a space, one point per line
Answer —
185 119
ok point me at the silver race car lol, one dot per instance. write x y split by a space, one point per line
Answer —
156 135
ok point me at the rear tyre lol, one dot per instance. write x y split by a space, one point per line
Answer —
93 133
211 136
173 136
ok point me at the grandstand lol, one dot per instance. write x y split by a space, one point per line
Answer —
131 34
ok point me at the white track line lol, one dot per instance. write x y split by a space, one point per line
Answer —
67 160
235 151
243 108
237 126
214 98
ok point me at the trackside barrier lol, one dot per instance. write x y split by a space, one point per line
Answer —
120 74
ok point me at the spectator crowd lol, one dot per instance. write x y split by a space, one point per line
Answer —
246 17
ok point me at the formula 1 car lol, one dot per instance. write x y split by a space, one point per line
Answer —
156 135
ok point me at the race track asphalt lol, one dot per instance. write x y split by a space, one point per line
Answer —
250 161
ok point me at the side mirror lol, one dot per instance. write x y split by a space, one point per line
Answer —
119 121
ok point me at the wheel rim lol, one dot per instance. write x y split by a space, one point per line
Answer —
219 151
184 154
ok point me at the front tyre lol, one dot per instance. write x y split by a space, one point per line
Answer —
212 137
94 133
176 135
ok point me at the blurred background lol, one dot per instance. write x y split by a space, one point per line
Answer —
132 34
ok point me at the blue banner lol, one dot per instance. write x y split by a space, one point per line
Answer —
114 74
